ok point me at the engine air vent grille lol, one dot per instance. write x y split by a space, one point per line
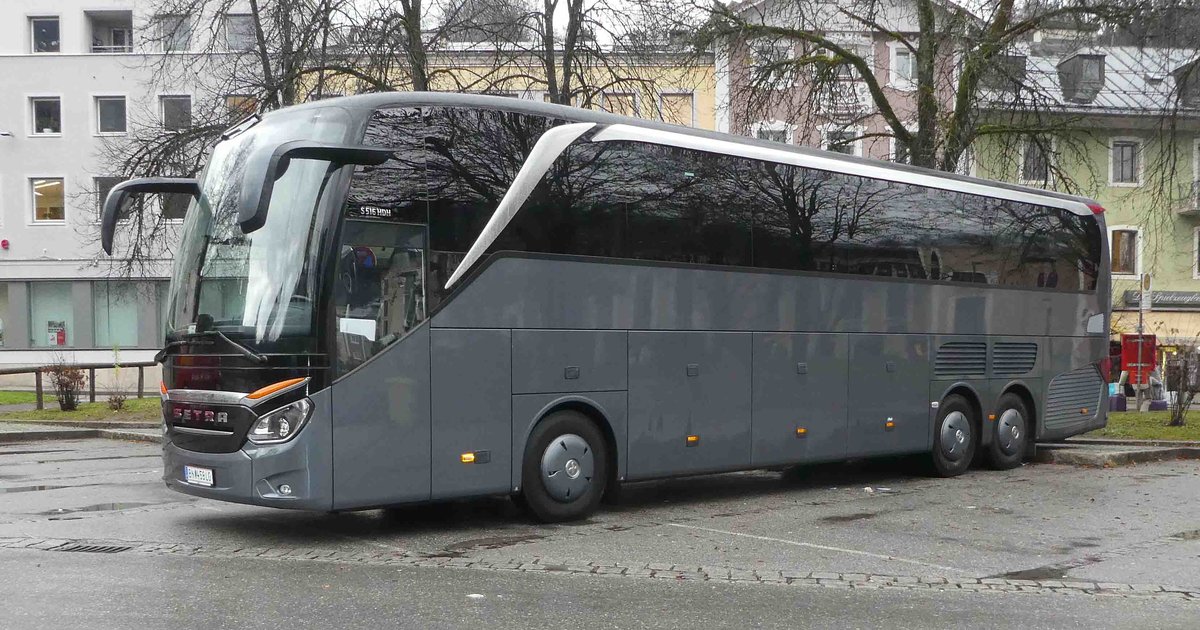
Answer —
961 358
1013 358
1071 393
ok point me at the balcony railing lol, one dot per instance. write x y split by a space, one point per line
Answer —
103 49
1190 207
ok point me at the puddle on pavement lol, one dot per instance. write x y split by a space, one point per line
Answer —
458 549
847 518
1039 573
99 507
29 489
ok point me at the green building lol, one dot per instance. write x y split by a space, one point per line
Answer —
1119 124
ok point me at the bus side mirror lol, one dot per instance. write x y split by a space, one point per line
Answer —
253 204
121 192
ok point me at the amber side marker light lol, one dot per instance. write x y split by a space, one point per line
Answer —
991 416
272 388
801 432
1083 412
467 458
693 440
890 424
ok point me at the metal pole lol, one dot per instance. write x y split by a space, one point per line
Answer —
141 381
1140 363
37 379
91 384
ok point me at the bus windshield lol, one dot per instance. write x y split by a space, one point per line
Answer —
257 286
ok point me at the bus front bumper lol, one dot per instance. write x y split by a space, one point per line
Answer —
296 474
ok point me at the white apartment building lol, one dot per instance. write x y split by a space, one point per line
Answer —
78 75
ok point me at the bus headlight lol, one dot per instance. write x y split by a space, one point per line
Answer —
283 423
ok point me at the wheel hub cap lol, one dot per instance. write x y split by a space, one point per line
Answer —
955 436
567 468
1009 429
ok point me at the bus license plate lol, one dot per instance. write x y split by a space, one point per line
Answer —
198 476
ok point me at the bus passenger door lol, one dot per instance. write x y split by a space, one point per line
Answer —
888 391
381 407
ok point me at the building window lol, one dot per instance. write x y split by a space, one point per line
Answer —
239 32
1196 253
176 112
110 114
51 315
1035 162
174 32
102 186
678 109
174 205
770 61
902 73
44 35
772 131
1126 250
47 115
116 306
621 103
841 141
239 106
48 199
3 308
1125 159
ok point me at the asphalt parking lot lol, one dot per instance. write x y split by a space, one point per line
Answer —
1047 545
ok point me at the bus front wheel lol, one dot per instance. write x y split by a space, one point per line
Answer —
954 437
565 469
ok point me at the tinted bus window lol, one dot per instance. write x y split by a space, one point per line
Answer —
472 157
651 202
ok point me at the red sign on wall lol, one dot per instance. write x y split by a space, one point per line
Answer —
1139 369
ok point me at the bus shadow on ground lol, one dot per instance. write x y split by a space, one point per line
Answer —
500 522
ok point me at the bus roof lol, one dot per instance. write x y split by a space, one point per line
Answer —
717 142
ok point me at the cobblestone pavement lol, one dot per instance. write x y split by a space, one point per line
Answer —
1130 533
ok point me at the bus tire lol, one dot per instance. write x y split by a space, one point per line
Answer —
955 437
565 469
1010 433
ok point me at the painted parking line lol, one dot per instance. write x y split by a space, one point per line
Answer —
797 543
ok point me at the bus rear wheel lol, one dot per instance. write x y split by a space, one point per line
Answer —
954 437
565 468
1010 433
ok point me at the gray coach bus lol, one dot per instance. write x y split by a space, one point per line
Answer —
397 298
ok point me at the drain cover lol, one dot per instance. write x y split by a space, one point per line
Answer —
81 548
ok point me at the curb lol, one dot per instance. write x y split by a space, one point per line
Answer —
129 436
64 434
1048 454
1127 442
85 424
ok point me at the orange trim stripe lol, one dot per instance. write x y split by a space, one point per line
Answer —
162 387
271 389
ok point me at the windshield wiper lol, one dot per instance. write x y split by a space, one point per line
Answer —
191 340
162 354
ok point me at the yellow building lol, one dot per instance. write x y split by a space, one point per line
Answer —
675 88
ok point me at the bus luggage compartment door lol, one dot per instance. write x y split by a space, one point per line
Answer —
799 397
889 385
689 402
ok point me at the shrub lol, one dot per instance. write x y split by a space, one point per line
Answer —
116 401
67 381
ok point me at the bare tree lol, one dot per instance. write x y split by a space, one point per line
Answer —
804 64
